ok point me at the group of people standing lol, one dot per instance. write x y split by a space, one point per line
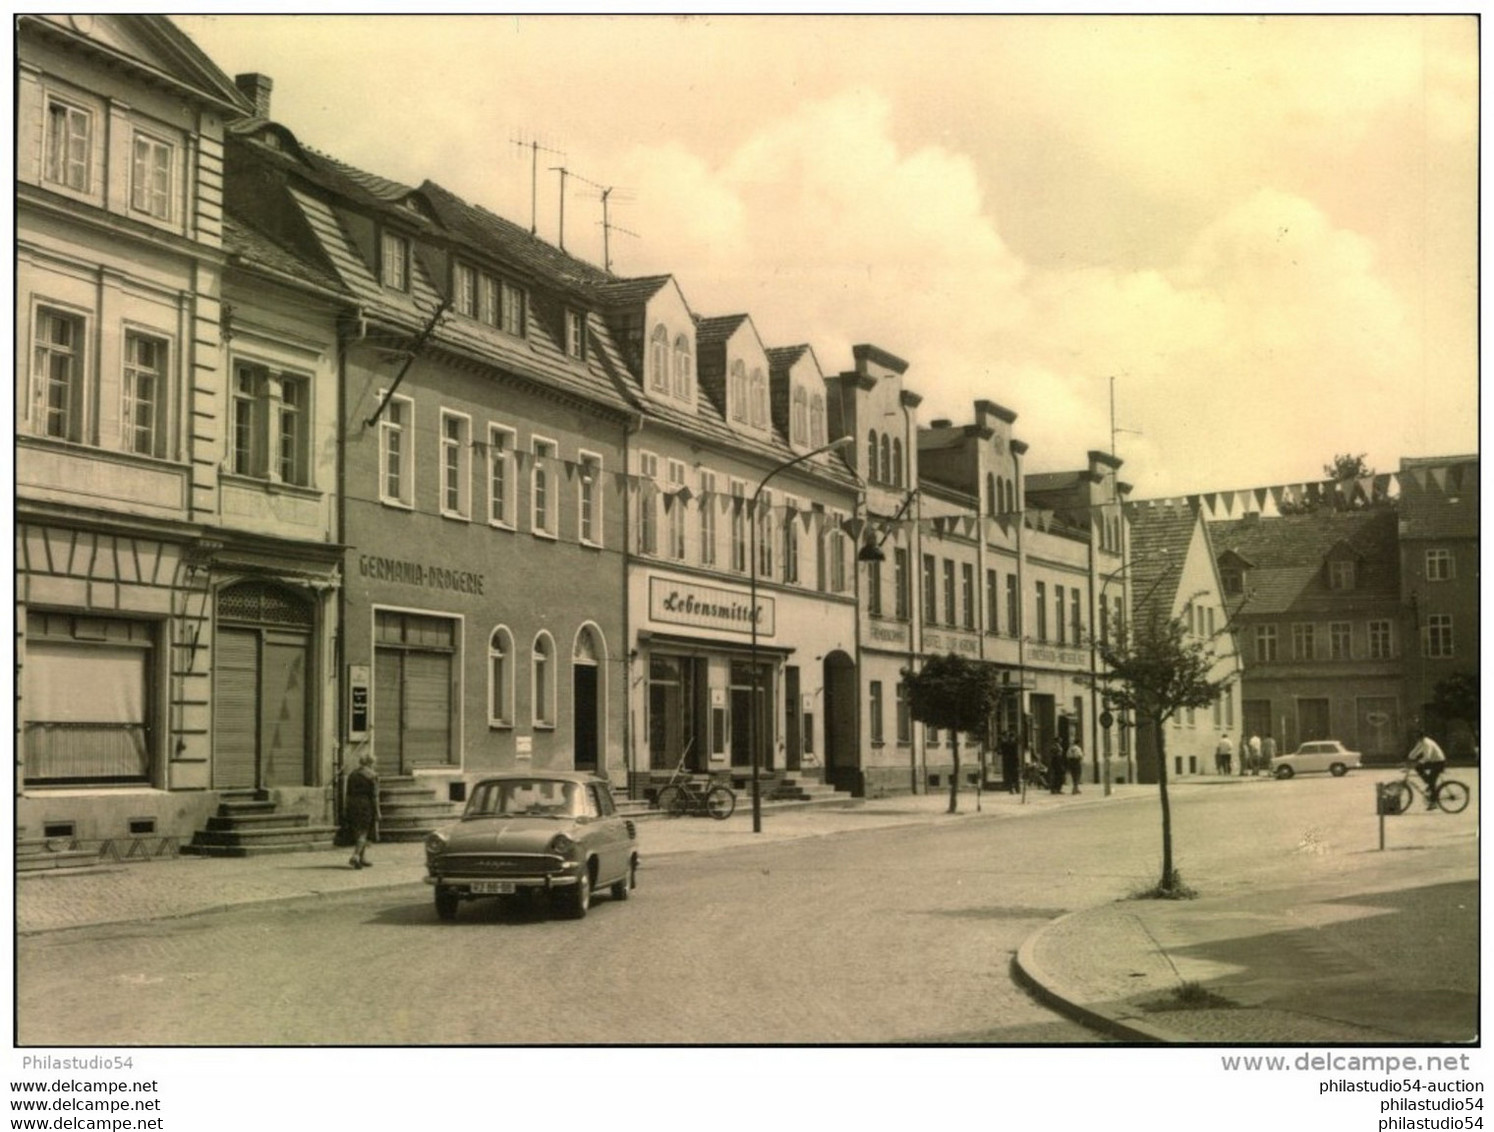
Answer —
1255 755
1061 762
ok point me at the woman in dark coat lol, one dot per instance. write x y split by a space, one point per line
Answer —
362 808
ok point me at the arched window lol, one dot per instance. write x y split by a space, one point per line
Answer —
897 462
501 678
542 687
759 396
799 421
991 482
658 360
737 392
871 455
816 420
684 378
1011 496
886 458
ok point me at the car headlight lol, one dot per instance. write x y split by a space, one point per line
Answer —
561 845
435 844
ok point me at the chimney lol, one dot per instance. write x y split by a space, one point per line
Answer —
256 88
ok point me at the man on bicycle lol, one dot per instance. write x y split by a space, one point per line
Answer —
1428 759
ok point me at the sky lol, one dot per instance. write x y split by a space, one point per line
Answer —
1259 232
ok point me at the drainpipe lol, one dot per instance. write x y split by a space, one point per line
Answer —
339 647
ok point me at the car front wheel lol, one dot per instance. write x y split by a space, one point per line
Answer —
1338 770
575 900
1284 772
447 903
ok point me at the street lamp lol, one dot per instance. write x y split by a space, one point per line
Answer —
755 519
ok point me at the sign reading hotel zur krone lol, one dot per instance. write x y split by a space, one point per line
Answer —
707 607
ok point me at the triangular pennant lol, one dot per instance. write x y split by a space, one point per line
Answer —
1211 501
1382 487
967 523
1455 479
669 499
1439 477
807 518
620 481
854 527
570 470
1193 503
685 494
522 458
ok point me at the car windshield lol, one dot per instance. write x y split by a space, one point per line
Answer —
526 797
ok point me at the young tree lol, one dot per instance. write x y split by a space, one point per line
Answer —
1155 668
955 694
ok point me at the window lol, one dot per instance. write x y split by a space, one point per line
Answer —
1341 574
992 624
1339 640
648 504
737 392
967 594
1058 613
542 663
791 522
69 146
901 583
456 465
799 419
1303 641
512 311
708 505
658 360
837 555
904 714
57 375
759 396
394 261
542 502
897 462
589 499
269 425
1076 619
949 592
488 303
684 370
396 476
874 704
1211 622
1380 640
575 334
1119 620
738 526
293 434
1041 606
500 678
501 482
674 507
1439 565
817 420
930 591
886 458
142 423
871 454
991 493
464 290
874 588
247 425
150 177
1265 643
1439 636
764 521
1013 607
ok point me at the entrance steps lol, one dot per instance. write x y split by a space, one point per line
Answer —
248 825
408 810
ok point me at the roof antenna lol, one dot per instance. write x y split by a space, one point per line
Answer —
534 147
607 229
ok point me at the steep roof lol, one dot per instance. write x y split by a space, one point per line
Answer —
245 244
1160 539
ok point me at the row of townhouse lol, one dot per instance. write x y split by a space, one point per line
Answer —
1355 623
311 463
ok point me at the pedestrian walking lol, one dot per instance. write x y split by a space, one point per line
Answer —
1268 752
1429 761
1055 767
1224 755
1255 756
1010 768
361 807
1074 756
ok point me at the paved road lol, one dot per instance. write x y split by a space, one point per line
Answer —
883 936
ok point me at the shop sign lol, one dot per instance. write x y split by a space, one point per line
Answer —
679 602
429 575
1058 656
946 642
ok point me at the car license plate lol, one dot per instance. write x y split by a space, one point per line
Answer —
492 888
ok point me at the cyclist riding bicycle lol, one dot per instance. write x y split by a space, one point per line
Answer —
1429 761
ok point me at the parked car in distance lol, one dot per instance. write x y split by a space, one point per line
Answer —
556 833
1315 757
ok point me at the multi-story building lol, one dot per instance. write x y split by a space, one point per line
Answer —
1315 599
1173 574
1439 572
127 521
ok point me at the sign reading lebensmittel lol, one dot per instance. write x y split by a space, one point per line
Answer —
678 602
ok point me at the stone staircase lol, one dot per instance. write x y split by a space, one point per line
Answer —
409 810
43 854
247 824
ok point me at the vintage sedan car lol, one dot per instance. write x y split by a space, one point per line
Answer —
1314 757
552 832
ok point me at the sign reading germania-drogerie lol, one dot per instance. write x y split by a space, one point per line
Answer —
679 602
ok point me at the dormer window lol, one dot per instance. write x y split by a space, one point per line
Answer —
799 419
1233 581
464 290
684 377
1341 574
394 261
737 392
758 392
575 335
658 360
513 310
817 420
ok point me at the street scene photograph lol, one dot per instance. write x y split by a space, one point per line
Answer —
901 560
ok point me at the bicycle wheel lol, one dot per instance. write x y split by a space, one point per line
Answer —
1399 798
1452 797
720 802
673 802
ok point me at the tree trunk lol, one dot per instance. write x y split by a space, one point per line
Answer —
954 776
1169 878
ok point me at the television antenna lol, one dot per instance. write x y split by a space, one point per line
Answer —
534 148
